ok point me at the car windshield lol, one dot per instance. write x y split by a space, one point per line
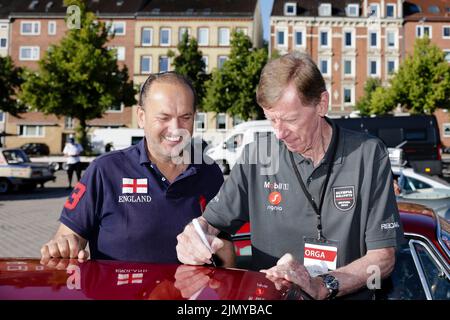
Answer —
15 156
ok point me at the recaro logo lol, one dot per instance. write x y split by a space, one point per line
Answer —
391 225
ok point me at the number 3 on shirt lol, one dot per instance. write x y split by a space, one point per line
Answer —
75 197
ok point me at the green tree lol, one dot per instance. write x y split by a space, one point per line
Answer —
189 63
232 88
79 77
422 83
364 103
10 81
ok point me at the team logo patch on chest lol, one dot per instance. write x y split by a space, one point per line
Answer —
344 197
134 190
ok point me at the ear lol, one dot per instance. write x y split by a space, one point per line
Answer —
322 107
140 117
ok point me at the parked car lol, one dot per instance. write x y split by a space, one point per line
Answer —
36 149
228 152
422 269
410 180
16 170
68 279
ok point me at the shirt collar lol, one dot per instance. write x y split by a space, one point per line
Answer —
143 156
334 139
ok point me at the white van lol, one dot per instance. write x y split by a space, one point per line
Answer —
227 153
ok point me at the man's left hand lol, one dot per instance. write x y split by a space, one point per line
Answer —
290 269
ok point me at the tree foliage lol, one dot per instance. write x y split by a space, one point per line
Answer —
79 77
189 63
10 81
232 88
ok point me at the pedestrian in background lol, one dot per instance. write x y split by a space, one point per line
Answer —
72 151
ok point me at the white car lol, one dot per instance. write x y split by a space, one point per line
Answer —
430 191
409 180
228 152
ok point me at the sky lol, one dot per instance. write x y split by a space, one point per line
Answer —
266 8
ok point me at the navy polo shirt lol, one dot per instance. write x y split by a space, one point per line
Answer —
127 209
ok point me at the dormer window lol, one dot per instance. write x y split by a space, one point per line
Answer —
352 10
325 9
290 9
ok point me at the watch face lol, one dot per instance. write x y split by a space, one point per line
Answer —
331 282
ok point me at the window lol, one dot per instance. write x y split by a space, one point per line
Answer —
115 108
224 36
436 279
324 39
352 10
3 43
391 66
348 39
324 66
31 131
182 31
348 95
203 36
163 64
348 67
120 53
298 38
146 64
147 37
221 60
29 53
373 39
200 121
221 123
164 37
290 9
206 61
374 10
390 39
390 10
30 28
373 67
422 31
281 38
446 32
117 28
447 55
446 128
325 9
52 28
68 123
237 120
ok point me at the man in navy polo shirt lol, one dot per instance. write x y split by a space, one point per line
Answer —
131 204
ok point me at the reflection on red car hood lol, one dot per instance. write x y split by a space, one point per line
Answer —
111 280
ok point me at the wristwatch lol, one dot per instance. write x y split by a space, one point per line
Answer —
331 283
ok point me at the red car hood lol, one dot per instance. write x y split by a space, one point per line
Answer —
111 280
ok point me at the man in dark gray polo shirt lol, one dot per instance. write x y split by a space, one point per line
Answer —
326 217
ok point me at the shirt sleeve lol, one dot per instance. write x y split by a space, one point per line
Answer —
82 207
384 227
229 209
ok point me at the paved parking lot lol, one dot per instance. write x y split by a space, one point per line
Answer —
29 219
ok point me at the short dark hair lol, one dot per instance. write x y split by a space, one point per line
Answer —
167 77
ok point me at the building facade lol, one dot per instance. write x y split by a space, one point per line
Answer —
144 31
354 40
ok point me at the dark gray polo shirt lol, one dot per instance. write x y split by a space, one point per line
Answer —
359 209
